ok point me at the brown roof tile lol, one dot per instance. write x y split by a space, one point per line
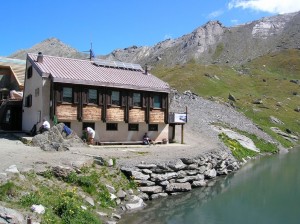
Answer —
17 66
69 70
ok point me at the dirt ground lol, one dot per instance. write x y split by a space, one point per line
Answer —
14 152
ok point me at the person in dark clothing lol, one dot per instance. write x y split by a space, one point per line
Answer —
146 139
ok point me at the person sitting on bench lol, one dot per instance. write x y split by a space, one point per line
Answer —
147 140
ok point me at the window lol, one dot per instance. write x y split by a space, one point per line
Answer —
157 101
133 127
39 116
37 92
92 96
86 124
153 127
67 95
29 72
28 101
111 126
115 98
136 100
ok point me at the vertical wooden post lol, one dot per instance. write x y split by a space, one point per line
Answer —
173 132
186 112
182 136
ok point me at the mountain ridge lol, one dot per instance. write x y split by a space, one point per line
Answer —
211 43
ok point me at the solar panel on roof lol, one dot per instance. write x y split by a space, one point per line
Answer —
117 64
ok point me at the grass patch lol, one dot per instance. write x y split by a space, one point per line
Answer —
266 78
264 146
8 190
68 208
141 153
62 197
238 151
218 51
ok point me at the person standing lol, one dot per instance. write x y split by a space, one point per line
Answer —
90 135
45 126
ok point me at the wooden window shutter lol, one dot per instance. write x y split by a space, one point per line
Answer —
84 96
29 72
30 100
58 94
123 98
144 100
151 99
130 100
75 94
108 97
163 101
100 98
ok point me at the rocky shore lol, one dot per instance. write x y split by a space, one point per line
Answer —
181 175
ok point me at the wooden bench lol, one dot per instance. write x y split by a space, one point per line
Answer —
96 142
119 143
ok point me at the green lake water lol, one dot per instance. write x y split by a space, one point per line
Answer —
266 190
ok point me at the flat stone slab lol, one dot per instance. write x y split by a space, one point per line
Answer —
242 139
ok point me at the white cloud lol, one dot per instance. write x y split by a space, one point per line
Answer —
271 6
215 14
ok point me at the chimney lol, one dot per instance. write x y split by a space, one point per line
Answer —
40 57
146 69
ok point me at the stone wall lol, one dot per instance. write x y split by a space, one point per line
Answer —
181 175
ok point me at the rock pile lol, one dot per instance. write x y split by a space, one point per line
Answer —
56 140
160 180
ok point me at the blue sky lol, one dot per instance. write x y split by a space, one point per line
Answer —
116 24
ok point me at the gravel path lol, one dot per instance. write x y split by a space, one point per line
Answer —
199 138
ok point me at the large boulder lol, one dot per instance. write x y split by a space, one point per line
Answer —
135 203
56 140
8 215
151 189
163 177
178 187
139 175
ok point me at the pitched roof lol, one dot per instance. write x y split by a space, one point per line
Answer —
75 71
17 67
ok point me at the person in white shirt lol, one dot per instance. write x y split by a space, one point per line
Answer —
91 135
45 126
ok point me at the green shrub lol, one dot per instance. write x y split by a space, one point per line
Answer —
48 174
30 199
104 197
87 184
8 190
68 208
72 178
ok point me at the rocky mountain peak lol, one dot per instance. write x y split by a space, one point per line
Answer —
51 46
271 26
210 43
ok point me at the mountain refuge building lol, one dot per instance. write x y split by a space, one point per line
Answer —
120 101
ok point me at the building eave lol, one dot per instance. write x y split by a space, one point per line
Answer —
112 85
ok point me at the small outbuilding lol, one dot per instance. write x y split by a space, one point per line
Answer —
12 73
